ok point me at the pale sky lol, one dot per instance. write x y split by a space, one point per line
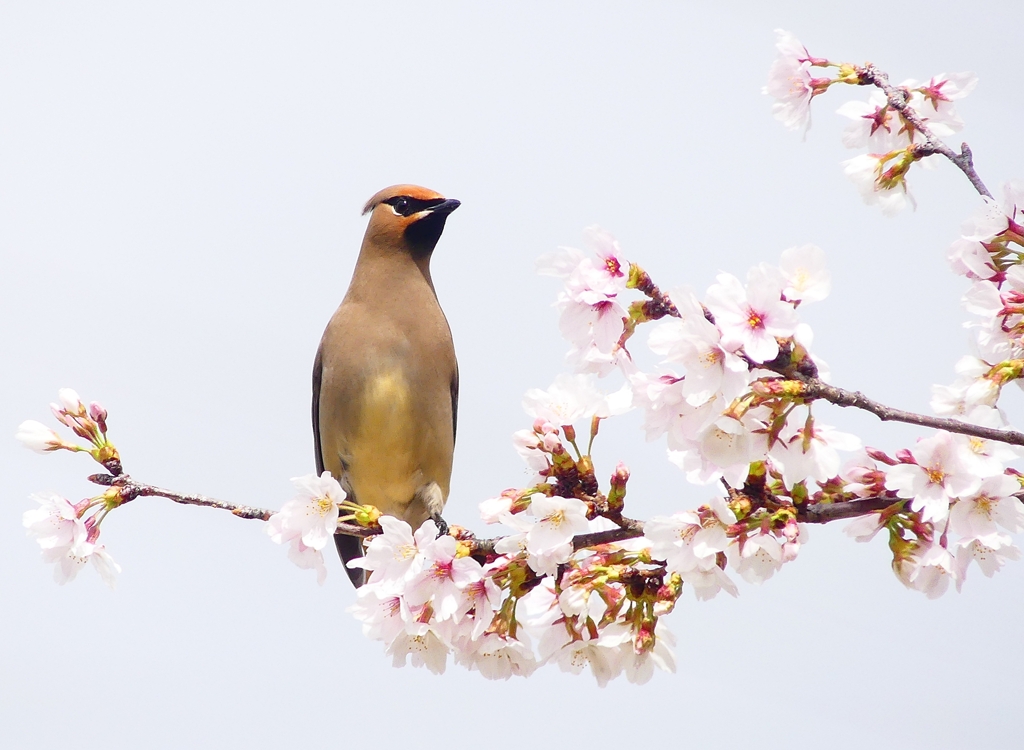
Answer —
180 187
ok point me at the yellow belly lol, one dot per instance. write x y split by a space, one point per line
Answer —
387 447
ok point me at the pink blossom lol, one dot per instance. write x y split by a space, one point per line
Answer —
865 528
790 82
573 397
497 657
990 552
756 558
810 452
993 505
806 278
993 218
939 476
928 569
752 318
56 523
394 555
875 127
441 578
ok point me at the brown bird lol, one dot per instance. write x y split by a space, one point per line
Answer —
385 379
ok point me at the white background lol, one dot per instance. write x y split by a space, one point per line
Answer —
180 186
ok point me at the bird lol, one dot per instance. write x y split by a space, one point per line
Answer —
385 377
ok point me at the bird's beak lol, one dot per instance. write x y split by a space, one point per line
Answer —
445 208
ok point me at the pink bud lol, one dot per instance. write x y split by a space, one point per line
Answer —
97 412
905 456
791 530
621 473
551 442
880 455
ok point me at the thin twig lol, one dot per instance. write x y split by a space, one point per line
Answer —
899 99
131 489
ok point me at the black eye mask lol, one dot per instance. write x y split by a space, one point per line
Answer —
406 206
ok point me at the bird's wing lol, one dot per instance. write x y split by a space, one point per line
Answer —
349 547
455 401
318 369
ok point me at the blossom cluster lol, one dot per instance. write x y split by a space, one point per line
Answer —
989 254
957 506
892 128
728 396
68 532
510 611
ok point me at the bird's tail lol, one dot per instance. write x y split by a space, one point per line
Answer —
349 548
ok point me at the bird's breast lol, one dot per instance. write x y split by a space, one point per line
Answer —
395 448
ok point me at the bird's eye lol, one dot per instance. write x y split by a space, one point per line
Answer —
402 206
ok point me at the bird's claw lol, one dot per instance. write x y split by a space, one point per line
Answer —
442 525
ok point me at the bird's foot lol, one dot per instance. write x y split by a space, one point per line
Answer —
442 525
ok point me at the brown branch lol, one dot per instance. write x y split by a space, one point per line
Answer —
899 99
816 389
628 528
826 512
130 489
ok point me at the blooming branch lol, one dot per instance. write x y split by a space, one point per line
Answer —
577 583
899 99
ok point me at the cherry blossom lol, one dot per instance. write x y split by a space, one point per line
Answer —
55 523
395 555
441 579
875 126
991 506
307 521
496 657
940 475
756 558
933 100
990 552
865 528
573 397
754 317
690 549
993 218
810 451
806 278
866 172
928 568
790 82
68 541
696 344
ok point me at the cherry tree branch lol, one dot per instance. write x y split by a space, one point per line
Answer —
899 99
816 389
629 528
131 489
813 388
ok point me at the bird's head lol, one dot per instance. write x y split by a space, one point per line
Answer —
407 217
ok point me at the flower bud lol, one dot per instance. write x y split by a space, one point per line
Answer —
38 437
905 456
880 455
71 402
551 442
99 415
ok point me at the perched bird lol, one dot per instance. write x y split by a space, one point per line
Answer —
385 379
